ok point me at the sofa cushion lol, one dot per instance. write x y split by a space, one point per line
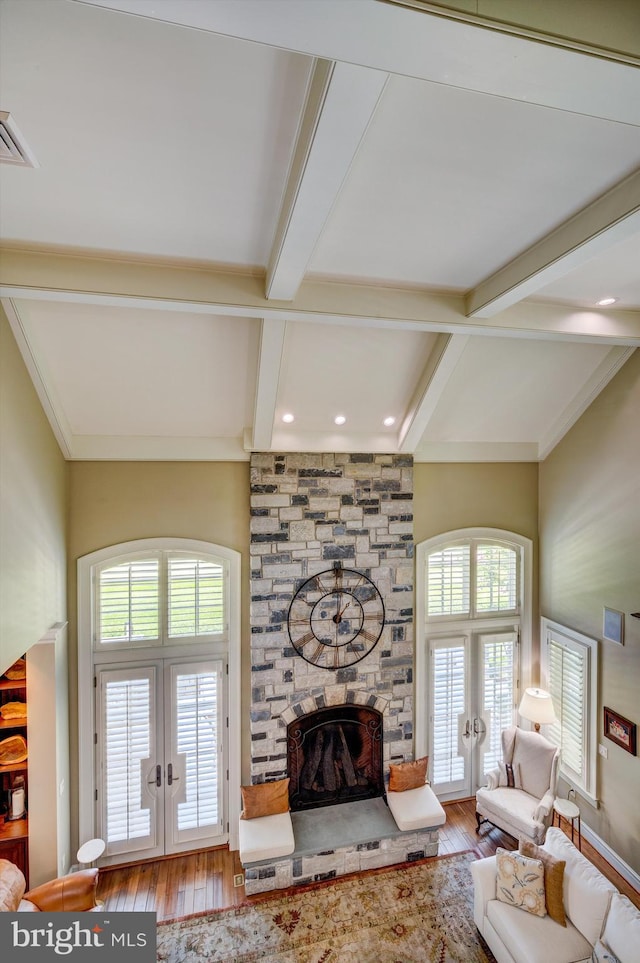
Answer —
408 775
586 891
536 939
553 879
266 837
416 809
534 755
12 886
265 799
621 931
520 881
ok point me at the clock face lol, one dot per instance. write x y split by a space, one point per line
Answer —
336 618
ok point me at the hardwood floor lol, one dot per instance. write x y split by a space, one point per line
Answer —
181 885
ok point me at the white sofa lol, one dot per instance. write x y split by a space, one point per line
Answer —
593 907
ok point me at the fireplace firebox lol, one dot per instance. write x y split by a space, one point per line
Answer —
334 755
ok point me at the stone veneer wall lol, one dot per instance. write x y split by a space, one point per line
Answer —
306 512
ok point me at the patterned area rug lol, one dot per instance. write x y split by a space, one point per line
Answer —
420 912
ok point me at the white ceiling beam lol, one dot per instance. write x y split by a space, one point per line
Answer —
416 43
54 276
272 335
438 369
340 103
613 217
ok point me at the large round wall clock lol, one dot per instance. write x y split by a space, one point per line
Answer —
336 618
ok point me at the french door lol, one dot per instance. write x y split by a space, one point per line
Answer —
473 692
160 757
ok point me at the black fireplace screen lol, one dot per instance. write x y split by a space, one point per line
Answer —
334 755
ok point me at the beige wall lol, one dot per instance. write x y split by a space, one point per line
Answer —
447 497
33 478
112 502
590 557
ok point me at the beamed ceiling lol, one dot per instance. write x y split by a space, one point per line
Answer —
248 208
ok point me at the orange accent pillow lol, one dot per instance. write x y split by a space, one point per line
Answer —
265 799
553 878
408 775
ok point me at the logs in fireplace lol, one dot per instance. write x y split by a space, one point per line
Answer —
334 755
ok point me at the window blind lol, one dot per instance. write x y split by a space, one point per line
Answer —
197 696
195 597
567 668
448 579
127 742
498 655
128 602
449 691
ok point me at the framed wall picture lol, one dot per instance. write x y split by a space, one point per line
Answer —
620 730
613 625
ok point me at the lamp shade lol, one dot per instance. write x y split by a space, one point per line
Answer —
537 706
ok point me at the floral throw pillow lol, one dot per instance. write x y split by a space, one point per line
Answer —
520 882
602 954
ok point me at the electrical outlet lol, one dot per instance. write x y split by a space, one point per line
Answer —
603 750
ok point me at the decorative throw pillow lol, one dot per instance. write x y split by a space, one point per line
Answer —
553 878
602 954
408 775
520 882
509 775
265 799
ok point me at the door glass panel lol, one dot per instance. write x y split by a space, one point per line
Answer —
497 656
196 754
449 705
128 755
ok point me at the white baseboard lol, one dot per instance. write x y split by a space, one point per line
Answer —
611 857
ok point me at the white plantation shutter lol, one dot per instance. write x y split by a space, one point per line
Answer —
127 699
449 693
197 691
128 606
567 667
496 579
195 597
448 578
498 656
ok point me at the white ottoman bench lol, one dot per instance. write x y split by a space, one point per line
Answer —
266 837
416 809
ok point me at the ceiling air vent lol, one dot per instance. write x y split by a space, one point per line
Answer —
13 149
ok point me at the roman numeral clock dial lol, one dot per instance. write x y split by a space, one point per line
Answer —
336 618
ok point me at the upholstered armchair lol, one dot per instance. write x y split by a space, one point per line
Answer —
73 893
519 794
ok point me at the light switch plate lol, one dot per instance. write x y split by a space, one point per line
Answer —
603 750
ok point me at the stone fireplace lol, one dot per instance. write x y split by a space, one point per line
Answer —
307 512
332 731
334 755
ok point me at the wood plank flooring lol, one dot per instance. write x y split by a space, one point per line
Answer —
198 882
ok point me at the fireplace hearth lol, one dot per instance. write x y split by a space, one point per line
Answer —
334 755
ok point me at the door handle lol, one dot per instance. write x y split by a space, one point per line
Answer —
158 779
467 730
170 777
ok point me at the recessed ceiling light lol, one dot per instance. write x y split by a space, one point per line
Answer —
288 418
389 421
606 301
339 419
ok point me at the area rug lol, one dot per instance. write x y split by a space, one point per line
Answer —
419 912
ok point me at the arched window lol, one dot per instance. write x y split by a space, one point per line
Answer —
473 649
158 696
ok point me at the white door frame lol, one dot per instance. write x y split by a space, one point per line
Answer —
421 713
86 702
